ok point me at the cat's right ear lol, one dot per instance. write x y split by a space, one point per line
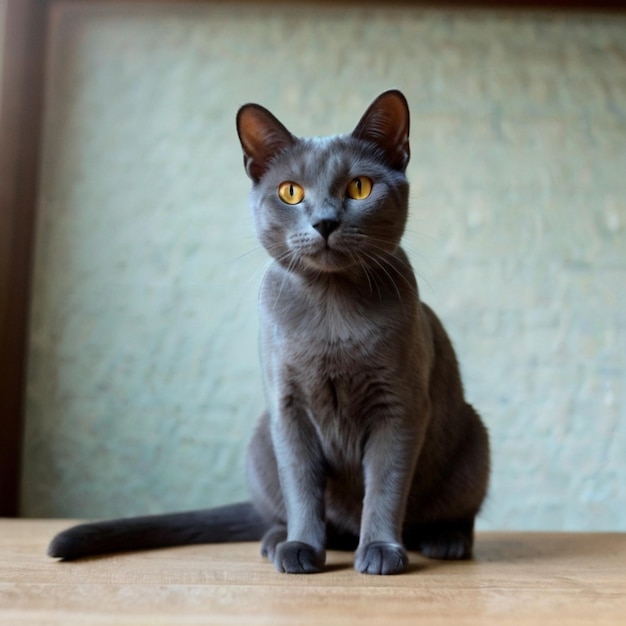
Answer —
262 137
386 124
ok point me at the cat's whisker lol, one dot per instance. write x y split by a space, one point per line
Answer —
358 261
367 276
384 252
268 262
293 261
243 256
375 280
378 254
389 260
420 275
261 269
380 251
377 261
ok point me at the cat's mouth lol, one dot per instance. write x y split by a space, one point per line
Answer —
336 253
327 256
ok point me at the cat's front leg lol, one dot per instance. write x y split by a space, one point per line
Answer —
388 464
302 481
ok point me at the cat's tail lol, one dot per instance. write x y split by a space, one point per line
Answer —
231 523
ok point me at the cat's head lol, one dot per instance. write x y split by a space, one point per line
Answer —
329 203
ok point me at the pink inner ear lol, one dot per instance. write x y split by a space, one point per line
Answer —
252 132
386 123
262 137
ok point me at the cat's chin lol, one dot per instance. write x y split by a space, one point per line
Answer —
328 262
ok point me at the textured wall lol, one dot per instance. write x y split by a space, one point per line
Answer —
144 382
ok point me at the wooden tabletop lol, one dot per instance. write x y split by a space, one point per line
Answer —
516 578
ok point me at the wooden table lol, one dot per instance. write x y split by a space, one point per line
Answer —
517 578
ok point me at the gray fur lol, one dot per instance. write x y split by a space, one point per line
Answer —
367 442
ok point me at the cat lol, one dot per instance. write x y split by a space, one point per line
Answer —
367 443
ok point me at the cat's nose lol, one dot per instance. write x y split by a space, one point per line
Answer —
325 227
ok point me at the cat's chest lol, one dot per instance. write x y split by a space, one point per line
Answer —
330 339
336 359
327 344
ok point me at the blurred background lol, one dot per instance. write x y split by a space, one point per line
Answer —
143 378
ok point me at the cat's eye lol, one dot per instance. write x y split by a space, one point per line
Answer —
291 193
359 188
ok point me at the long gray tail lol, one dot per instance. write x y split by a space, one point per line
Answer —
226 524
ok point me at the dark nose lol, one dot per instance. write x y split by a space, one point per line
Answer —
325 227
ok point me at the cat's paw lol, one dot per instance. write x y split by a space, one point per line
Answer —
447 545
295 557
381 557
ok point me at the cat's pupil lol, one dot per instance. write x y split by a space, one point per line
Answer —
357 183
291 193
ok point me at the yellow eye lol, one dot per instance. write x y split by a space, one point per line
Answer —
359 188
291 193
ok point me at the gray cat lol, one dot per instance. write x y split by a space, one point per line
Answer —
368 443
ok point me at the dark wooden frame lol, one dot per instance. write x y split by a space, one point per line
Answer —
21 102
21 108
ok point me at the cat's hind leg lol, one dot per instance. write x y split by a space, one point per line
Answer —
442 540
453 504
275 535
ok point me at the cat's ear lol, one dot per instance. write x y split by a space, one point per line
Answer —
262 137
386 124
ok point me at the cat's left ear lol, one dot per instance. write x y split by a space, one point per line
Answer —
262 137
386 124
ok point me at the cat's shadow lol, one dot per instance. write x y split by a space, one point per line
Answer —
512 548
525 548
